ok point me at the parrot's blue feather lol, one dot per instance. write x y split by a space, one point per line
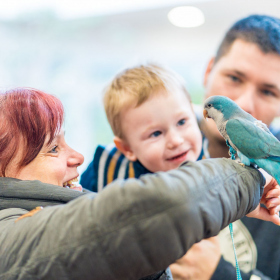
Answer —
274 158
271 167
251 140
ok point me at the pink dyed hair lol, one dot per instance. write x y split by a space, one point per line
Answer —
31 115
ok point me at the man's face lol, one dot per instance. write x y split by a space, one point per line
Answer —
249 77
162 132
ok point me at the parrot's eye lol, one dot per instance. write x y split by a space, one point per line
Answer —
209 106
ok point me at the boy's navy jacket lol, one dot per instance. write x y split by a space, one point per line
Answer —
109 164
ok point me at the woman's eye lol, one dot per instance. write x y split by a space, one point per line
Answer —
156 134
53 150
181 122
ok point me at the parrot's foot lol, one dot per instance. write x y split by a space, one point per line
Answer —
231 152
231 155
239 162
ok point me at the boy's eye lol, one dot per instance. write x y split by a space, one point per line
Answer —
181 122
156 134
53 150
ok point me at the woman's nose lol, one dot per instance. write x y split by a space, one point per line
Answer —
75 159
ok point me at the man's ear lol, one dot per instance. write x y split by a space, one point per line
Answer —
208 70
123 147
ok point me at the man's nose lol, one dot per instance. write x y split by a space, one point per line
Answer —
246 100
174 140
75 159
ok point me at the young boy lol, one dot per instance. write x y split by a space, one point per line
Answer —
155 127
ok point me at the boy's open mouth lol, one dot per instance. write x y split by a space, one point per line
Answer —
178 156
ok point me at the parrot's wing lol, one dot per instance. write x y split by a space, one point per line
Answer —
253 139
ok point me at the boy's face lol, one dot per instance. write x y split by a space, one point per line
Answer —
161 133
250 78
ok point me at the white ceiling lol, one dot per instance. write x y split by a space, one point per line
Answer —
67 9
151 26
80 8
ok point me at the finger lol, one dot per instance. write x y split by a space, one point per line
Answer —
275 219
274 210
271 185
273 193
178 272
264 214
272 202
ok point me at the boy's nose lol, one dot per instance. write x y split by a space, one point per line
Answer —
174 140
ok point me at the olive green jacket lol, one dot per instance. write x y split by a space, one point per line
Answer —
131 229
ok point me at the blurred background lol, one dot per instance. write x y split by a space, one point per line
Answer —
72 49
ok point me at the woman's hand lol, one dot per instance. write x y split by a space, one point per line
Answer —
271 200
199 262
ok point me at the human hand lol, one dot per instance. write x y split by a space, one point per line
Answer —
271 200
199 263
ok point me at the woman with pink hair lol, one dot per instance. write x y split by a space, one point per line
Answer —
32 144
129 230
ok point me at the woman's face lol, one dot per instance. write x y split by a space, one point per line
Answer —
55 164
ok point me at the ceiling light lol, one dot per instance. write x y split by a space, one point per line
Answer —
186 16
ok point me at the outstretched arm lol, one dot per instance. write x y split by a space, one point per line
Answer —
132 228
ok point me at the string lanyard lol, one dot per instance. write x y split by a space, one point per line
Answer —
232 154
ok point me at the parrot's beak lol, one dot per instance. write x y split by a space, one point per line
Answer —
205 114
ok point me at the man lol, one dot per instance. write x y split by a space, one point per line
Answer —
246 69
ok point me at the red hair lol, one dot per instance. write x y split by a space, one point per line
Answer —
31 115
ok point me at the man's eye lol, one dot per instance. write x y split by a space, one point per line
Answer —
234 78
181 122
156 134
53 150
267 92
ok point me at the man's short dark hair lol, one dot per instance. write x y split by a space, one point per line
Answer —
264 31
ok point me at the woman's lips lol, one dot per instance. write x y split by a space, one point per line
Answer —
73 184
179 158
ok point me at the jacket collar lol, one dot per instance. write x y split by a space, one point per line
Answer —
27 195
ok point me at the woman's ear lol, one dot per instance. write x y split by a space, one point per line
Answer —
123 147
208 71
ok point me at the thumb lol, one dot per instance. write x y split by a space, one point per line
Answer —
265 215
275 219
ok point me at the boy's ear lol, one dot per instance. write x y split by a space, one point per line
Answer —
123 147
208 70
